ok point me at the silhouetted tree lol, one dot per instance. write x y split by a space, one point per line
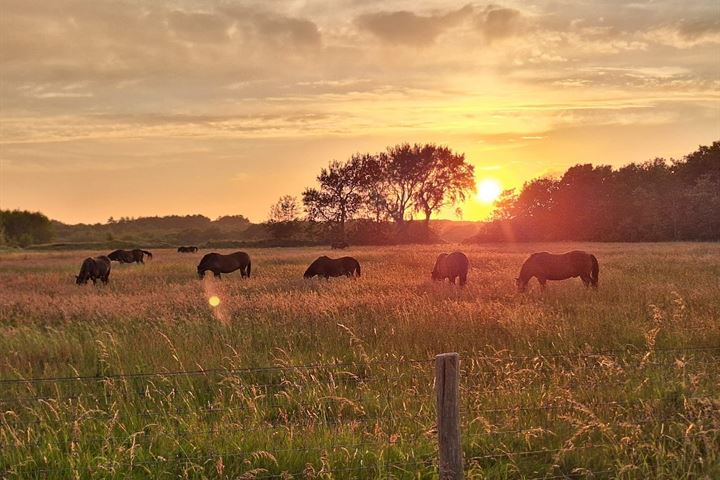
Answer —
405 168
284 218
341 192
447 181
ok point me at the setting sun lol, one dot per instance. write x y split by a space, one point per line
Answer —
488 190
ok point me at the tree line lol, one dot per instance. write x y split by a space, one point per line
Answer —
658 200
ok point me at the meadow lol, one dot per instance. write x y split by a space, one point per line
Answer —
290 378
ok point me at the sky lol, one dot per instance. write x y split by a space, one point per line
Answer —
137 108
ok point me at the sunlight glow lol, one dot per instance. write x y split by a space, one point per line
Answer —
488 190
214 301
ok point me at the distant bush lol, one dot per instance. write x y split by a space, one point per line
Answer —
23 228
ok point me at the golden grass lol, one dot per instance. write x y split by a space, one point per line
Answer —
638 411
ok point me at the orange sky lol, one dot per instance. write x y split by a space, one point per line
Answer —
135 108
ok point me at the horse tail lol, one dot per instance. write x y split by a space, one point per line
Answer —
248 268
595 273
357 268
149 255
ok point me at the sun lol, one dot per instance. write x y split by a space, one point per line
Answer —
488 190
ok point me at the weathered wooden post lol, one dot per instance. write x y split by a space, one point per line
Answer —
447 389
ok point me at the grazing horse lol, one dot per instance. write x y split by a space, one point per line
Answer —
333 267
130 256
94 269
339 245
218 264
191 249
452 266
547 266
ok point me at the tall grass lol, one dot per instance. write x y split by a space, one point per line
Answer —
622 381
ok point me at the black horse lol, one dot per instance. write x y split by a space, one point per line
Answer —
190 249
452 266
333 267
547 266
218 264
129 256
94 269
339 245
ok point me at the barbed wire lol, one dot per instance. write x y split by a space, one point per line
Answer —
313 366
630 350
578 404
210 371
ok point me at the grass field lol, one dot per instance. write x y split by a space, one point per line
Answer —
622 381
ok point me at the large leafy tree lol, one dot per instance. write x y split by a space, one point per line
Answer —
341 191
405 169
449 178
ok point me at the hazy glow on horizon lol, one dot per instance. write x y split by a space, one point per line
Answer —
488 190
216 107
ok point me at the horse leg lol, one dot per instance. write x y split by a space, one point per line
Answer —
543 282
217 275
585 279
452 280
463 280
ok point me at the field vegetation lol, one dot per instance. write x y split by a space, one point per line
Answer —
289 378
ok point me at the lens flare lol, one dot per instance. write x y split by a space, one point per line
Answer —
214 301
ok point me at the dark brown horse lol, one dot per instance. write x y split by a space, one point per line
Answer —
94 269
333 267
129 256
339 245
452 266
190 249
546 266
218 264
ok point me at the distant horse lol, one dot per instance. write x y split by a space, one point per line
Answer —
94 269
218 264
452 266
191 249
333 267
547 266
339 245
129 256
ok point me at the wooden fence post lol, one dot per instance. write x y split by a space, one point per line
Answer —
447 389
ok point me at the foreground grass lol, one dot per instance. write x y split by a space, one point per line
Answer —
636 396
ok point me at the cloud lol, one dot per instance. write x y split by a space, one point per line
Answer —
408 28
199 26
275 28
498 22
686 33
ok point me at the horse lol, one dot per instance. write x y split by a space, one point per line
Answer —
451 266
547 266
339 245
94 269
129 256
190 249
333 267
218 264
